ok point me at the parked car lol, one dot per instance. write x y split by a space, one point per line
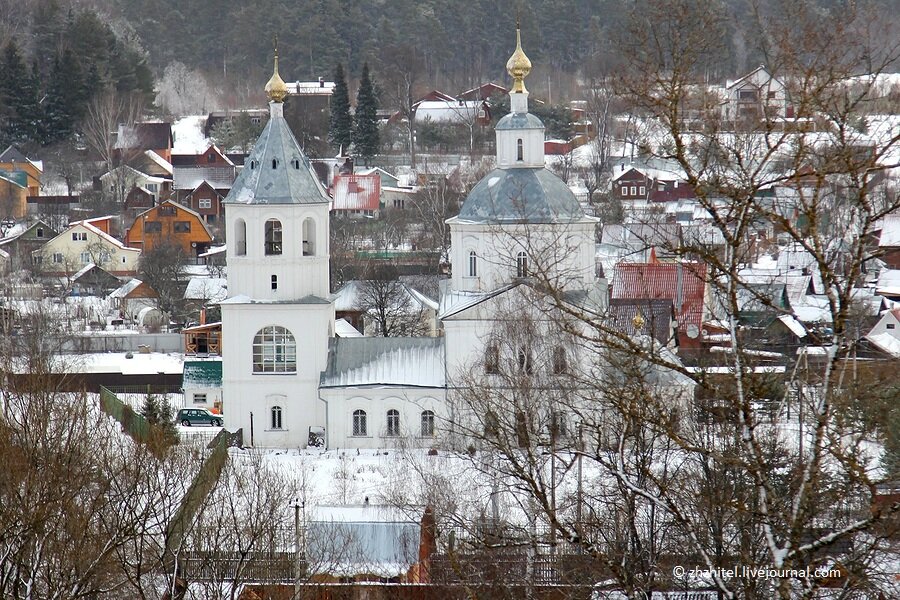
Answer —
198 416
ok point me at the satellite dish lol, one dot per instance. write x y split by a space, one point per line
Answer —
692 331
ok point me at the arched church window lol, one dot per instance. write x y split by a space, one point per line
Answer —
492 359
309 237
240 230
273 237
296 163
560 361
274 163
521 264
274 351
393 423
520 150
524 358
427 423
473 264
360 426
253 164
276 417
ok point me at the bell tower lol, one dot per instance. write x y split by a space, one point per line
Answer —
277 320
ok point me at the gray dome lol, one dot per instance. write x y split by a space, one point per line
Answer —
519 121
521 196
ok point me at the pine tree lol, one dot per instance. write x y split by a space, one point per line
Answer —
340 129
365 134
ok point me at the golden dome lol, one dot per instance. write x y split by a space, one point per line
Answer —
276 90
518 65
638 321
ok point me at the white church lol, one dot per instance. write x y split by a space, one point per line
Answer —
287 377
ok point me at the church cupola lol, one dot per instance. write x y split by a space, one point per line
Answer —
520 134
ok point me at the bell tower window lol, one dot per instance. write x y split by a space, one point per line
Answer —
309 237
273 237
274 282
240 228
520 150
473 264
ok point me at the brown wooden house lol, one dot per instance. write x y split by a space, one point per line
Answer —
170 222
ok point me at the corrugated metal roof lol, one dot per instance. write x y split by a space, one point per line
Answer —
277 171
188 178
356 192
364 361
355 540
682 283
202 373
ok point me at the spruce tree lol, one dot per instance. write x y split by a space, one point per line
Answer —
365 134
18 96
340 128
66 97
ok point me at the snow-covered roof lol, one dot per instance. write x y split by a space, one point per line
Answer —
188 134
159 160
886 342
211 289
154 363
191 177
888 283
348 297
379 361
214 250
343 329
794 325
126 289
451 111
890 232
310 88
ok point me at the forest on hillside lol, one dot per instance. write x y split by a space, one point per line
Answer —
218 54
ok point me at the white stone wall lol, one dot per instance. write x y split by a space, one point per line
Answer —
566 251
246 392
298 275
376 402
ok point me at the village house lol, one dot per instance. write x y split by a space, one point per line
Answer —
22 240
684 284
120 182
152 135
755 96
170 223
83 243
13 161
13 196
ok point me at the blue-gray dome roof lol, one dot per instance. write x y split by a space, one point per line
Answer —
521 196
277 171
519 121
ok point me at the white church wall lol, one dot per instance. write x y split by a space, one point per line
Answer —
298 272
568 251
246 392
341 404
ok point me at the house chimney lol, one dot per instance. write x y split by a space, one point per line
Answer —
321 82
203 316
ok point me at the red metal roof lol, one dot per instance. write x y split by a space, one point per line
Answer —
682 283
356 192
